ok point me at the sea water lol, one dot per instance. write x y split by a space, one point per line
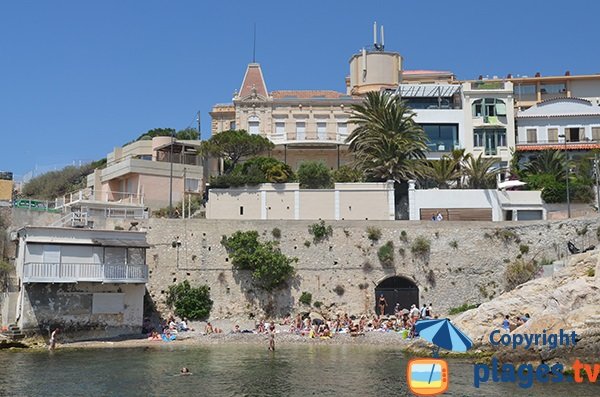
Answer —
237 370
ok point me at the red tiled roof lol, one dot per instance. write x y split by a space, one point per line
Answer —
253 80
307 94
560 146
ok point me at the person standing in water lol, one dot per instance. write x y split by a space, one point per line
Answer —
52 342
272 336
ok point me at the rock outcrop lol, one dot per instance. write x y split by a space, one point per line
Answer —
567 300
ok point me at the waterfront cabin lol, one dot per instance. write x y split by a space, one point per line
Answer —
84 281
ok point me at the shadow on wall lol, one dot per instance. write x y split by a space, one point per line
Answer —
274 304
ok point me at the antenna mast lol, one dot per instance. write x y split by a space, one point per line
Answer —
254 46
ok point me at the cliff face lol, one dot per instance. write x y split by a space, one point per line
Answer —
567 300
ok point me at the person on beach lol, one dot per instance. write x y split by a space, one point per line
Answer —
208 329
382 304
52 342
272 337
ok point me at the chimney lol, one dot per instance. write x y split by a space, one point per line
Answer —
480 77
509 76
538 74
568 73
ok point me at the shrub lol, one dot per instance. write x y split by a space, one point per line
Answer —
373 233
453 244
339 289
462 308
421 246
507 235
583 231
270 268
320 231
431 277
306 243
520 271
348 174
591 272
191 302
305 298
403 236
402 252
117 227
367 267
386 254
318 304
524 249
314 175
554 193
276 232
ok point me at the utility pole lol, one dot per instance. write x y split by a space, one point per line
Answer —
596 172
199 126
171 177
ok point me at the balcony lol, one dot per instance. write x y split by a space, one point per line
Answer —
313 137
84 272
88 194
487 85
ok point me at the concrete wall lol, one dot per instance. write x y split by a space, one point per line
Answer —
288 201
447 277
108 309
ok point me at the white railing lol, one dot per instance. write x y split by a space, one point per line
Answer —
91 272
87 194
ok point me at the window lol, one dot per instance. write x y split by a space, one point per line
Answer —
527 92
489 107
232 125
300 130
596 133
253 125
342 131
553 89
531 135
552 134
241 210
322 131
192 185
490 139
442 137
280 128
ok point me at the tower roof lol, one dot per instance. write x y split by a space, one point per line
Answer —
253 82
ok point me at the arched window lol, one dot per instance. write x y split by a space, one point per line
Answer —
253 125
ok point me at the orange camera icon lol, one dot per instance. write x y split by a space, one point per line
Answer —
427 376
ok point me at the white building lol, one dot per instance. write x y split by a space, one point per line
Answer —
81 280
562 123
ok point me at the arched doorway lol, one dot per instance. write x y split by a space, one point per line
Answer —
397 289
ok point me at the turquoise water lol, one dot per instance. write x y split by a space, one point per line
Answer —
237 370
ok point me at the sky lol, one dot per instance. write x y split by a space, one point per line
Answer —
78 78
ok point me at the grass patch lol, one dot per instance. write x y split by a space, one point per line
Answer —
373 233
386 254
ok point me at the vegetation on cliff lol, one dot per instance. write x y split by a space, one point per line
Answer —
191 302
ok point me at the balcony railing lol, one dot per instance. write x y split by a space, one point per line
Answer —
88 194
308 136
84 272
559 142
487 85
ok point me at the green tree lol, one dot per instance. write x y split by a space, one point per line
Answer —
191 302
273 170
234 145
387 143
346 174
441 172
187 134
270 268
314 175
547 162
481 172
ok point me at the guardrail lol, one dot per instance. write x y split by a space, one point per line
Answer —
78 272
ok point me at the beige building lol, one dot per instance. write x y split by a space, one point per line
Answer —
145 173
346 201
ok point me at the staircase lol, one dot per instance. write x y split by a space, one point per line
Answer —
13 332
73 219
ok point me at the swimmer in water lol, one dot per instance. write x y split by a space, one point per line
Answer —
185 371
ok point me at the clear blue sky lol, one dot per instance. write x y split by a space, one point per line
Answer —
78 78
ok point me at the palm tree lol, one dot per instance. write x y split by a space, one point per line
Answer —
481 172
550 162
387 143
460 159
442 171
